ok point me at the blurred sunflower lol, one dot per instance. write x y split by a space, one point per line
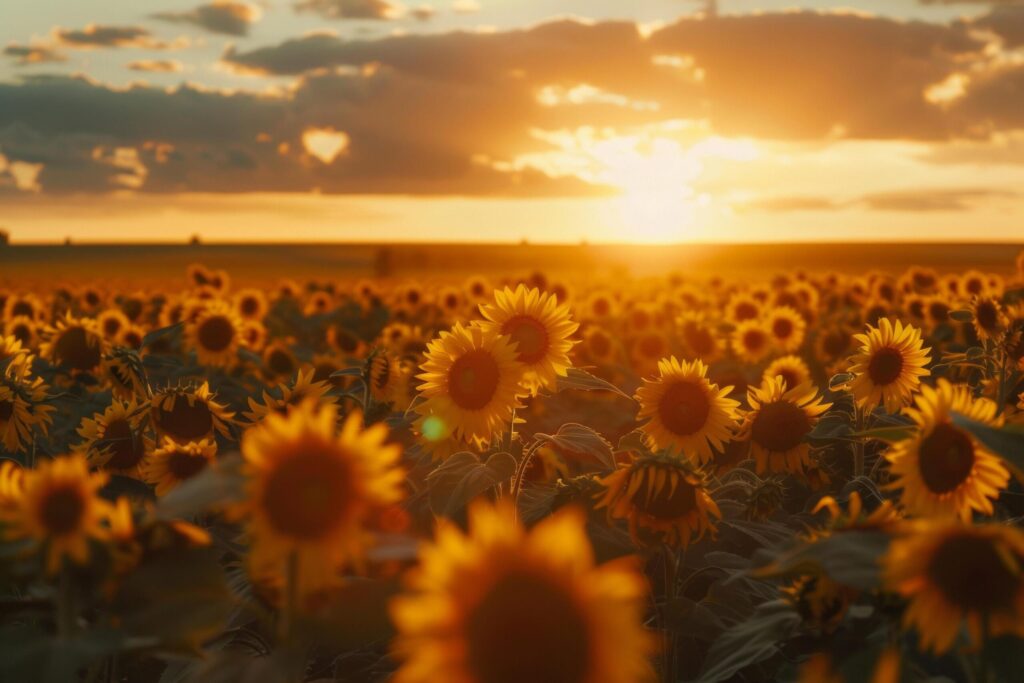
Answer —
503 605
215 335
821 602
599 307
470 382
833 346
304 387
889 366
751 342
477 288
345 341
685 413
540 328
189 413
974 283
126 374
953 574
24 329
74 343
251 304
111 322
279 362
647 350
60 510
742 307
311 489
174 462
792 369
787 328
384 377
598 345
14 357
25 305
778 422
662 494
114 440
699 337
943 470
23 408
989 318
253 336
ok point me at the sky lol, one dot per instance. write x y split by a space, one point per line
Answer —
505 120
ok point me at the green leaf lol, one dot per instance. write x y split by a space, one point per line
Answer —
1007 442
160 333
354 371
584 381
850 558
961 316
220 483
462 477
582 440
886 434
633 442
750 641
836 382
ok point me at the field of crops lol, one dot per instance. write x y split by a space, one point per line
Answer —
536 479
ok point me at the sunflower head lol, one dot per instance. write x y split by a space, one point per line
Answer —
663 498
189 413
821 602
700 338
751 341
792 369
505 605
215 334
75 344
23 408
114 439
787 328
889 366
175 462
989 317
778 423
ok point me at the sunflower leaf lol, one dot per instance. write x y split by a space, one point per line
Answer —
1007 442
581 440
886 434
750 641
584 381
161 333
462 477
849 558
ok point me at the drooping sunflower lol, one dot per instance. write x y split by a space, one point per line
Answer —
23 408
778 422
115 440
541 329
60 510
663 495
74 343
189 413
751 342
684 412
943 470
792 369
215 334
952 574
126 375
14 356
989 317
311 489
787 328
503 605
174 462
889 365
384 377
470 382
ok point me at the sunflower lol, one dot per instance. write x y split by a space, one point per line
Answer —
126 375
311 489
833 346
647 350
251 304
787 328
279 363
24 329
132 337
792 369
742 307
303 388
189 413
14 357
451 301
889 366
384 377
937 310
953 574
974 283
684 412
215 334
344 340
598 344
74 343
176 462
778 422
540 328
751 342
471 379
26 305
943 470
60 510
989 317
114 439
699 337
111 322
505 605
821 602
599 307
23 408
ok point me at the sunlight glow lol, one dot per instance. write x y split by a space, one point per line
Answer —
326 144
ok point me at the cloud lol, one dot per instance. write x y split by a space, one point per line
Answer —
352 9
97 36
931 200
1007 22
33 54
157 65
227 17
465 6
790 203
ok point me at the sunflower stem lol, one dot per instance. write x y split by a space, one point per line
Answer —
858 451
671 566
291 590
1001 402
65 603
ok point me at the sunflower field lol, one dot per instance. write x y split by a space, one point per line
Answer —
526 479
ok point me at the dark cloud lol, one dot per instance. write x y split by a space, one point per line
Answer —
156 65
929 200
95 35
229 18
1007 22
33 54
994 101
351 9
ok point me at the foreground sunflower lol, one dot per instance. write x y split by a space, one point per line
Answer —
539 327
778 423
301 389
505 605
60 510
114 440
943 470
889 366
174 462
188 414
311 489
663 495
470 381
684 412
953 574
215 334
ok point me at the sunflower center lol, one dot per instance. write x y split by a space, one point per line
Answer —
684 408
789 377
527 629
62 509
745 311
946 458
280 362
602 307
308 495
249 307
187 422
885 366
74 349
782 328
753 340
22 308
184 466
111 326
216 333
987 315
473 379
530 336
120 441
699 340
345 340
666 503
780 426
972 573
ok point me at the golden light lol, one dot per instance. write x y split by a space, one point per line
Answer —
326 144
